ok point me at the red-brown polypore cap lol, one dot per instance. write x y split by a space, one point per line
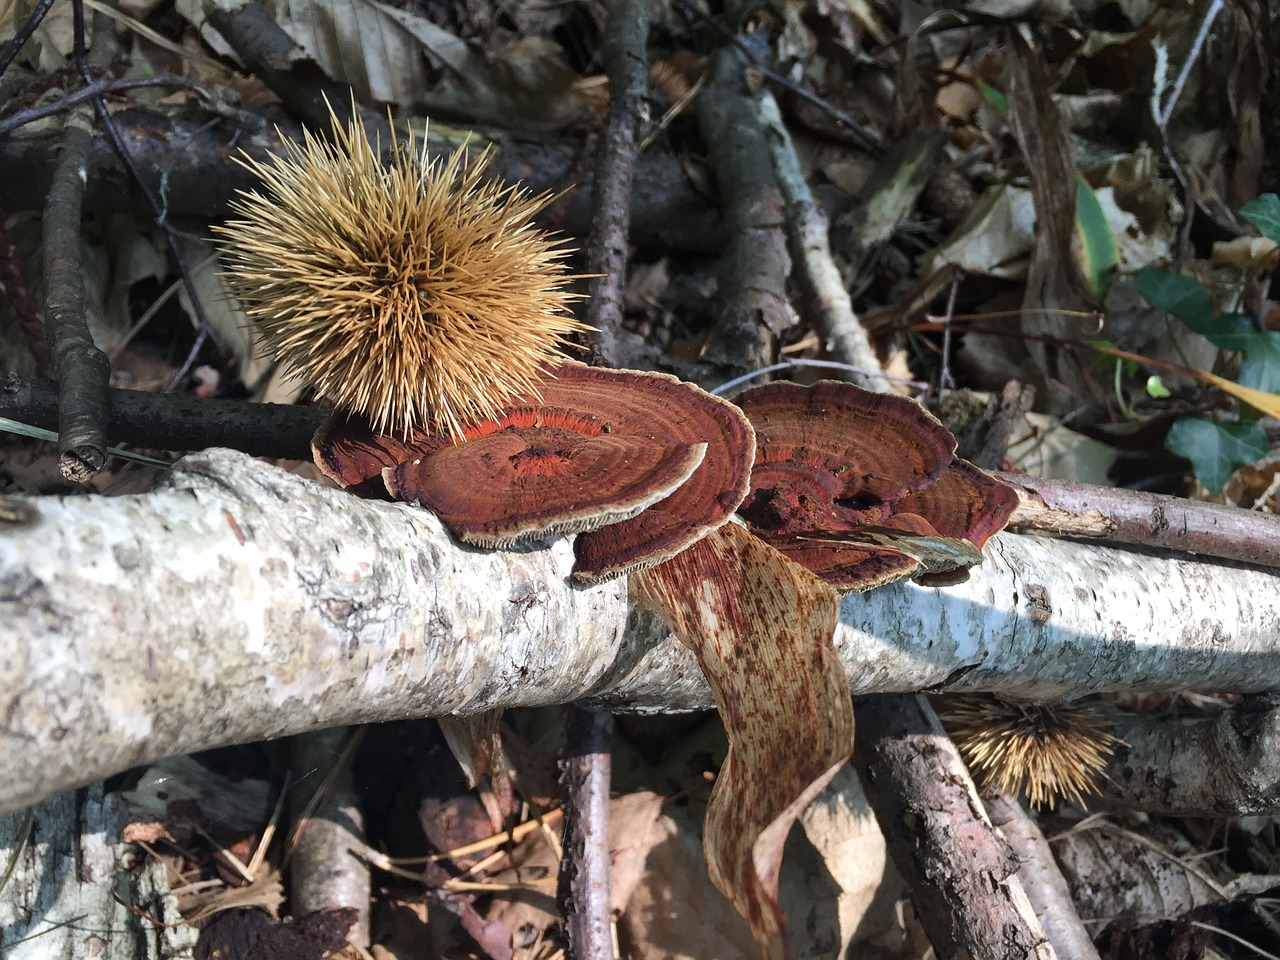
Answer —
686 413
624 438
542 472
349 453
873 448
863 488
965 504
832 456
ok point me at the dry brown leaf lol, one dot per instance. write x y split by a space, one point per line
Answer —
632 835
761 628
674 913
1255 487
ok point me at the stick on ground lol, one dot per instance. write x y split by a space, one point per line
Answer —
961 873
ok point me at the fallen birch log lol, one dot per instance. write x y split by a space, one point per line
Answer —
238 602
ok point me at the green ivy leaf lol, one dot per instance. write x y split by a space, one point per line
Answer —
1185 298
1261 367
1216 450
1264 213
1230 331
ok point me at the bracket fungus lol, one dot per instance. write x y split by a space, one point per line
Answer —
864 488
639 464
534 473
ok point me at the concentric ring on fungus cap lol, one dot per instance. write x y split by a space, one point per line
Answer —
617 419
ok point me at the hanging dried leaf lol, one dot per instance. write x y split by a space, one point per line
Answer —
761 627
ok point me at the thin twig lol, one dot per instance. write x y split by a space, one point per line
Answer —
29 27
945 380
583 890
97 88
628 67
843 335
203 327
796 363
1206 23
82 369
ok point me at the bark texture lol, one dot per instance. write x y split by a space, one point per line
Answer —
1043 882
328 831
81 368
1153 519
1228 766
752 307
58 904
962 874
584 889
239 602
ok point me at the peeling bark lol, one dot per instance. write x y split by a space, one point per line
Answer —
239 602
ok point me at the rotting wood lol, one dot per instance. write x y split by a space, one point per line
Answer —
238 602
59 903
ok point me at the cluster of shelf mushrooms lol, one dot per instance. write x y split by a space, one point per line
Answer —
420 300
858 487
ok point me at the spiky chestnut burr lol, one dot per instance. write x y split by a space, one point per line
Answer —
1054 751
417 293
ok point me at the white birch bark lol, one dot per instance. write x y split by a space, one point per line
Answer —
238 602
58 904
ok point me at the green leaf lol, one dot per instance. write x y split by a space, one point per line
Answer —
995 97
1264 213
1156 389
1100 255
1216 450
1230 331
1101 362
1181 296
1261 367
